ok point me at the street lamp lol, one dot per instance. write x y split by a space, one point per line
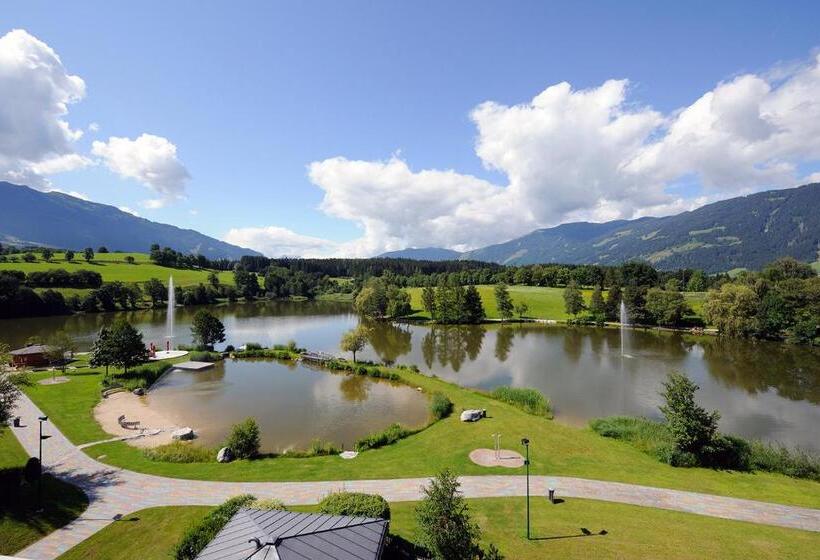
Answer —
40 461
526 443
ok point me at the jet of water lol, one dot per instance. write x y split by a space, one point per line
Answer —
624 319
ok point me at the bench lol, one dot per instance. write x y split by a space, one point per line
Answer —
128 425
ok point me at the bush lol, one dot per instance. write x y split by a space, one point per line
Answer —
440 406
243 440
319 448
180 452
253 346
777 458
683 459
267 503
528 400
205 356
230 348
198 536
727 452
391 434
139 377
356 504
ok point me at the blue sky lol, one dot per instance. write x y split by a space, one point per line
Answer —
252 93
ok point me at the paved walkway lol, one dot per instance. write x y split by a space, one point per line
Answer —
116 492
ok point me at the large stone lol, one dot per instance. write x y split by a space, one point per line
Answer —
139 391
472 415
183 433
225 455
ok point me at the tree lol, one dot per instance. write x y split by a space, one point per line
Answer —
29 257
88 254
613 303
398 302
597 306
206 329
129 259
127 347
9 386
355 340
371 300
521 309
446 530
213 279
573 299
697 283
787 268
428 300
732 309
665 307
102 249
243 440
102 353
692 428
69 255
156 290
473 307
59 344
48 254
503 302
246 283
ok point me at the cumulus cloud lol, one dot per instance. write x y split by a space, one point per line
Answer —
590 154
151 160
280 242
37 90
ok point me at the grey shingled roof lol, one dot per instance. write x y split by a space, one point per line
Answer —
287 535
32 349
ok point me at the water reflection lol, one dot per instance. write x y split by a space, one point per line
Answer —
762 389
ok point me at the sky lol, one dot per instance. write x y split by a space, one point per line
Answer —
352 128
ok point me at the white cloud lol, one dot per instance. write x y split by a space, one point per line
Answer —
151 160
93 127
589 154
128 210
36 91
75 194
280 242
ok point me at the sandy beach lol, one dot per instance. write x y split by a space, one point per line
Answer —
135 409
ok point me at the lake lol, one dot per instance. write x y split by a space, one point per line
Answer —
763 390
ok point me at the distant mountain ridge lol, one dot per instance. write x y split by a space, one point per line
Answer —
423 254
742 232
29 216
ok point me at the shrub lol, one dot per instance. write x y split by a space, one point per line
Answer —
243 440
253 346
726 452
391 434
141 376
319 448
267 503
180 452
230 348
528 400
205 356
356 504
440 406
777 458
198 536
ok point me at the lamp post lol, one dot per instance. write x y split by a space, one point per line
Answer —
526 443
40 460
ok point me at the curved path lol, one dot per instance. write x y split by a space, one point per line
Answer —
114 492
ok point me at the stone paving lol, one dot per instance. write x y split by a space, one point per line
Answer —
114 493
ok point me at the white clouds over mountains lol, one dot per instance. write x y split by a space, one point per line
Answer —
36 140
584 155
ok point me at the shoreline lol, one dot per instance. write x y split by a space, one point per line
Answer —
108 410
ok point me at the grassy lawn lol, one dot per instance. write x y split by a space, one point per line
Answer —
632 532
556 449
112 267
149 534
19 524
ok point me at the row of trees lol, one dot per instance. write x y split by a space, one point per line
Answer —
57 278
165 256
644 305
10 254
781 301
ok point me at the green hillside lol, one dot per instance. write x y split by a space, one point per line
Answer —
113 268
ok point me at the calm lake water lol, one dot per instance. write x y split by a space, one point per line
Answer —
763 390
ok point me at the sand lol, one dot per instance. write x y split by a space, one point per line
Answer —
135 408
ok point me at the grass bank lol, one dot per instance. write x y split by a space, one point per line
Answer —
20 522
632 532
555 449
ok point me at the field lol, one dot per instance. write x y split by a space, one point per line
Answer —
113 268
556 449
543 302
631 532
19 524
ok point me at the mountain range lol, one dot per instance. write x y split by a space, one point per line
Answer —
54 219
743 232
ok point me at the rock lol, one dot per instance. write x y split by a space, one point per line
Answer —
139 391
183 433
472 415
225 455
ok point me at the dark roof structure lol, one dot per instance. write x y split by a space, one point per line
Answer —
256 534
31 349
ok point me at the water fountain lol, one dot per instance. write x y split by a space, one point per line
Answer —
624 319
169 315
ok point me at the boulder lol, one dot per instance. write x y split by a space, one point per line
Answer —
183 433
225 455
139 391
472 415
